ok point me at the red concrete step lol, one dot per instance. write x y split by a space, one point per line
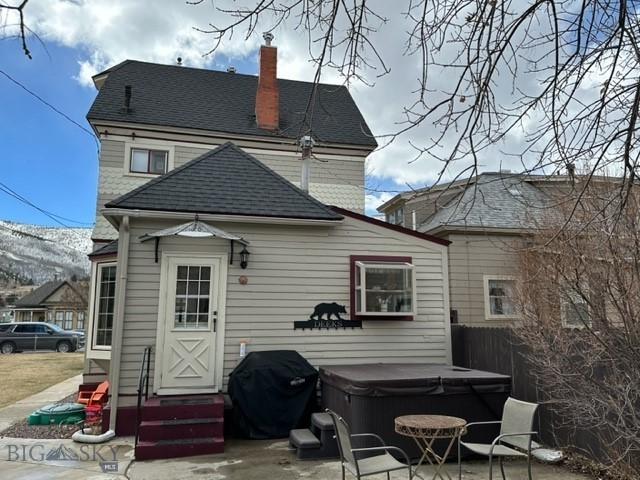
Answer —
179 448
183 407
154 430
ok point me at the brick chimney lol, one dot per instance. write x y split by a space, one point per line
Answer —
268 95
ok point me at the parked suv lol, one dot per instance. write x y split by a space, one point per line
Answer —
21 336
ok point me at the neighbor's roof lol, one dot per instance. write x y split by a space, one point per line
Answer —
225 181
40 294
493 200
177 96
110 248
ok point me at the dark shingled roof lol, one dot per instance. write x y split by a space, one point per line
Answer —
40 294
176 96
110 248
225 181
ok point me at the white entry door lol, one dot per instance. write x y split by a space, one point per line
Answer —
188 355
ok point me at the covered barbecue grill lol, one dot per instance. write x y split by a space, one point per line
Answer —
272 393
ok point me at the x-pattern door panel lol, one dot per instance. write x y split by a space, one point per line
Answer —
188 357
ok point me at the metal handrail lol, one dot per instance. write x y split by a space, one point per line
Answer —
143 385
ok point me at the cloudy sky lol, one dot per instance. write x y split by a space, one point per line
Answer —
53 162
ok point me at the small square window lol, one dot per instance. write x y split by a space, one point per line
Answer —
500 297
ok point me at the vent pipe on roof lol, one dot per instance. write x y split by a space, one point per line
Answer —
306 143
231 69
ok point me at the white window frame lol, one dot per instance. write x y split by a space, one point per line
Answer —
81 318
68 320
565 302
102 352
487 303
361 290
170 149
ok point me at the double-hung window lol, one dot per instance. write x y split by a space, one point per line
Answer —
499 297
574 311
383 287
59 318
144 160
68 320
80 324
104 305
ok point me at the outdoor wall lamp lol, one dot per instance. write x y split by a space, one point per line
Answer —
244 257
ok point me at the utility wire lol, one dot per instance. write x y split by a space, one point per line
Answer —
58 111
56 218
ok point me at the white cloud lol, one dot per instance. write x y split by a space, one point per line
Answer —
106 33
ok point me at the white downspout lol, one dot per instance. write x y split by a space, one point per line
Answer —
118 323
413 220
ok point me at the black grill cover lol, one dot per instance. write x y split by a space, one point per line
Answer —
272 393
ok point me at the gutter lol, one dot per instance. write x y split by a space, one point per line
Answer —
118 324
111 214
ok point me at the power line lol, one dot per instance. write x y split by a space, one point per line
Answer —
56 218
58 111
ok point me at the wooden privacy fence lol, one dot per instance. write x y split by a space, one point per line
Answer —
495 349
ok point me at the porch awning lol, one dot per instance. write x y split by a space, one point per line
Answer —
195 229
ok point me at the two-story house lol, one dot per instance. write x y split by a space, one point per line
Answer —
489 219
229 206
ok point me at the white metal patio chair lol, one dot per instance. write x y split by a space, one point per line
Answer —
383 462
514 440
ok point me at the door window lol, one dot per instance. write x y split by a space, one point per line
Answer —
192 297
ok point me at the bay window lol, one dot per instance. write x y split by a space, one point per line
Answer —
383 288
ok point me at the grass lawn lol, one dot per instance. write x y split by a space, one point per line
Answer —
23 374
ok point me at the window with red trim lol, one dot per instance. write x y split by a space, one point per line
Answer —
382 288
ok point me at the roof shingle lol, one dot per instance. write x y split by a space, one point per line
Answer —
225 181
177 96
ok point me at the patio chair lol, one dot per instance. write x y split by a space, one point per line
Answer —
97 397
383 462
514 440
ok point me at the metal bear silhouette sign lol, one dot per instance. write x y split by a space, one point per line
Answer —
327 315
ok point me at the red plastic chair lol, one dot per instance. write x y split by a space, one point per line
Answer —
97 397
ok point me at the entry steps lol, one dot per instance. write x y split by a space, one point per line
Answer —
318 441
181 426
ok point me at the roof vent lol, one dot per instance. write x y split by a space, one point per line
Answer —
231 69
179 61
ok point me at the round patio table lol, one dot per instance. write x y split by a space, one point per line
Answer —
425 430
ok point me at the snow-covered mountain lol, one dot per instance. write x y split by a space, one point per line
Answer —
40 253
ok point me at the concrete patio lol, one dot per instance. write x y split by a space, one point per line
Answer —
243 460
267 460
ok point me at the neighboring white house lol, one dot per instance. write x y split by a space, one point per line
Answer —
204 242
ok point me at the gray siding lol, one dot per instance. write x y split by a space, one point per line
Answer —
292 269
470 258
335 181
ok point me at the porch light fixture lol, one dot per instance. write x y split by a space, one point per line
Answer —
244 257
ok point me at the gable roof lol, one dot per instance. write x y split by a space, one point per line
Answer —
225 181
177 96
40 294
493 201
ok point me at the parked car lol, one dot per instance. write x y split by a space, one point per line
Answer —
23 336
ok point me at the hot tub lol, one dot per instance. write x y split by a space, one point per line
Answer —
369 397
